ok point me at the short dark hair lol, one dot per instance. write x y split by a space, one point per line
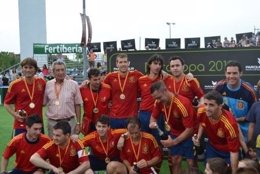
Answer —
159 85
93 72
122 55
29 61
218 165
133 122
234 64
64 126
214 95
32 120
154 58
104 119
177 58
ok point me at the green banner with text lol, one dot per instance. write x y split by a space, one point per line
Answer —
39 48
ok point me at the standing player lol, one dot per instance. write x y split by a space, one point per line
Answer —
182 85
25 94
96 96
238 95
24 145
124 86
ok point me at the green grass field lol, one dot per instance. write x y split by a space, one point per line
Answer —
6 123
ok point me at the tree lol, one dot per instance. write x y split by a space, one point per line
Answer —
8 59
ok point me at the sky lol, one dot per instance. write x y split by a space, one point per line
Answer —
116 20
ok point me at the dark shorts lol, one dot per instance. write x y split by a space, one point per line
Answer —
97 164
184 149
117 123
211 152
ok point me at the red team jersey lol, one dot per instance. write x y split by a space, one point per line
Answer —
144 84
188 88
17 94
70 158
24 149
128 107
103 99
92 141
148 150
182 114
223 134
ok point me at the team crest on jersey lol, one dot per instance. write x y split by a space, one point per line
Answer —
185 88
103 99
112 144
145 148
22 151
39 86
115 80
175 114
23 90
220 133
73 151
86 99
129 151
132 79
203 124
145 85
240 105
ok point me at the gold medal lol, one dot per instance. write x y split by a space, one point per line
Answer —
122 96
60 169
95 110
167 126
107 160
57 102
32 105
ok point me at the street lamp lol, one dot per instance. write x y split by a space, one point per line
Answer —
170 28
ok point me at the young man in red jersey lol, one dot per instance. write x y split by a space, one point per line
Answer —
63 154
24 145
103 143
124 86
221 129
179 116
96 96
26 94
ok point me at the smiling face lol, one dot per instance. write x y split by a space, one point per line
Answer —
34 131
102 129
233 76
213 110
28 71
59 137
122 64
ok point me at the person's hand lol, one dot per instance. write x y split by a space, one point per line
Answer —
142 163
77 129
189 76
153 125
20 115
169 142
196 140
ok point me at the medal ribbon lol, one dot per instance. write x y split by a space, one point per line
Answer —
174 85
62 159
93 99
139 147
120 84
27 89
57 90
102 145
167 115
